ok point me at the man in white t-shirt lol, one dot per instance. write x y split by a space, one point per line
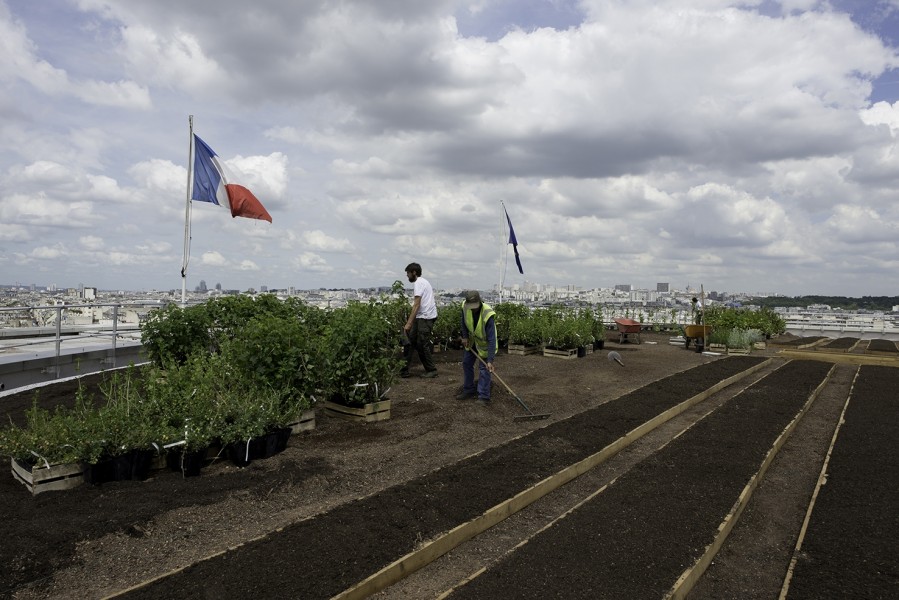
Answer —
420 323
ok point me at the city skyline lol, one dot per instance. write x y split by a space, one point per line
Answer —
746 145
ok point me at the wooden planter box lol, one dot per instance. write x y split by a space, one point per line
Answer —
717 347
522 350
44 479
741 351
555 353
369 413
759 345
305 422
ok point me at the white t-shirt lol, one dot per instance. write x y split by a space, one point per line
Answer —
428 308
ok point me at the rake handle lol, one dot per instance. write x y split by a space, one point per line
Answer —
495 374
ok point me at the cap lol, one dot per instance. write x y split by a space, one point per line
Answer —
472 300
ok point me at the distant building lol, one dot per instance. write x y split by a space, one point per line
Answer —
623 287
662 287
89 293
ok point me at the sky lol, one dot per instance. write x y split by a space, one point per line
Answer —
739 145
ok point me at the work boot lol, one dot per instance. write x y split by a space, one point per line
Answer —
405 374
429 374
463 395
484 401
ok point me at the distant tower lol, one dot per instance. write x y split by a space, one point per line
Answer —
203 287
218 287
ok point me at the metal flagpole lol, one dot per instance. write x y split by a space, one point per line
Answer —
186 259
504 251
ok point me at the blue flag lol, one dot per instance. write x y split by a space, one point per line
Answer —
513 241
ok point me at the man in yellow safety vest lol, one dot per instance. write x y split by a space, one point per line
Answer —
478 336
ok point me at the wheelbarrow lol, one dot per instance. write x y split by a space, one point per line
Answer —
697 333
627 327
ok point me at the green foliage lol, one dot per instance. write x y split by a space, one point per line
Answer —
507 314
765 320
228 370
172 334
884 303
527 330
275 352
566 328
448 326
359 352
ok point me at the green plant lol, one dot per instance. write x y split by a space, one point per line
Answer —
739 338
527 330
358 352
719 336
172 334
507 314
47 437
448 326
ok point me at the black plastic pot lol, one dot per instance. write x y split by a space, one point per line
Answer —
581 351
188 463
132 465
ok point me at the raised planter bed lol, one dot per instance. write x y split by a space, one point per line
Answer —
565 353
880 347
47 478
368 413
522 350
305 422
849 547
843 344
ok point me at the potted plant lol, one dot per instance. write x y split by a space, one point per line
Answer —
358 360
42 454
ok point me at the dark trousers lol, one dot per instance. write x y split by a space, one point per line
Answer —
469 361
420 341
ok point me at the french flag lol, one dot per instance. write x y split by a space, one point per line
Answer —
211 185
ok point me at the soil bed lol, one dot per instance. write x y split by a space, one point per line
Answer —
676 499
881 346
843 344
857 506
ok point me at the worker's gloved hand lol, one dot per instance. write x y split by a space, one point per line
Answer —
465 344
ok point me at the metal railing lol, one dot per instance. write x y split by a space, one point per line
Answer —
36 333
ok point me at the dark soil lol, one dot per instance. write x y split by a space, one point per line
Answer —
858 504
674 500
347 498
881 346
840 344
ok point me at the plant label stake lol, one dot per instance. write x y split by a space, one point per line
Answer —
531 416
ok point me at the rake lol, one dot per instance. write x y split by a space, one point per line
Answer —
531 416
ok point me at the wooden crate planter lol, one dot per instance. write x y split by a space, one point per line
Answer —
44 479
556 353
759 345
305 422
738 351
717 347
522 350
368 413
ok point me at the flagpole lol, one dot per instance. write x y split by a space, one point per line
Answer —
186 259
504 247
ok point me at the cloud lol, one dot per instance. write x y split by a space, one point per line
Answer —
213 259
